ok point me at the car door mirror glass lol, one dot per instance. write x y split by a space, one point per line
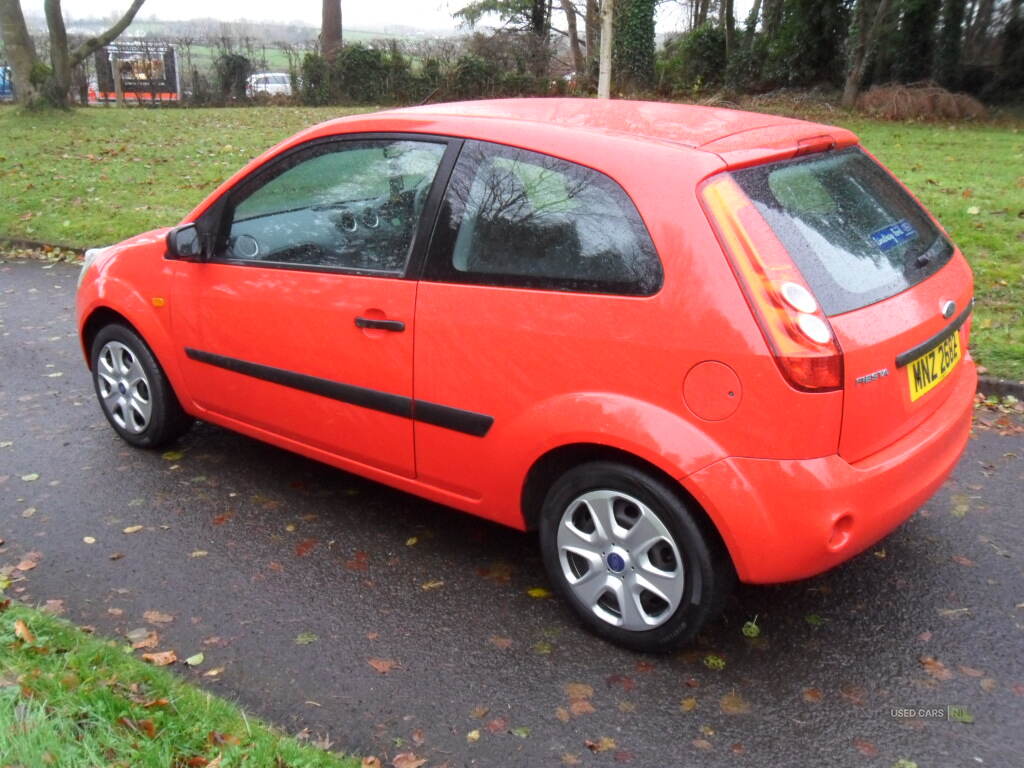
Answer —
184 243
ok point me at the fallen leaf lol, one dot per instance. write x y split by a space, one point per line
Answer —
688 704
500 642
562 714
156 703
22 632
382 665
306 638
935 668
141 726
604 744
865 747
26 565
221 519
734 704
148 639
214 672
116 555
408 760
370 762
479 712
411 541
473 736
31 477
626 683
578 691
539 592
173 455
28 512
521 732
970 671
812 695
161 659
304 547
964 561
132 529
497 725
429 585
711 661
195 660
88 539
581 707
988 684
157 617
199 553
218 739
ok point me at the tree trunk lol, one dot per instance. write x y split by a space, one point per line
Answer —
593 33
772 17
729 25
574 38
702 13
330 29
948 50
604 80
21 53
755 14
974 47
867 37
60 62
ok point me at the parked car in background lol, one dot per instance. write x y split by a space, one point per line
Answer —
687 345
272 83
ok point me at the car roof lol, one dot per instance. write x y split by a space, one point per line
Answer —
686 124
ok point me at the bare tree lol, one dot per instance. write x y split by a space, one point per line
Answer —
869 29
56 85
569 8
330 29
604 80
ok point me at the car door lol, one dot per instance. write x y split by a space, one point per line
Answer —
537 287
301 324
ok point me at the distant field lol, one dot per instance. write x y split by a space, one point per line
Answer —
101 174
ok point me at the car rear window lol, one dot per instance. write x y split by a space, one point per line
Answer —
855 234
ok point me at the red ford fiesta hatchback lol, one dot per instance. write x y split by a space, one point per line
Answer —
685 344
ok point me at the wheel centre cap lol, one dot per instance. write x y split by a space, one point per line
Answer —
122 388
615 562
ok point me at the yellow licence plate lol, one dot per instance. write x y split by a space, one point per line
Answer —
932 367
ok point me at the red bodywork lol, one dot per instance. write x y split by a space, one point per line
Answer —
794 481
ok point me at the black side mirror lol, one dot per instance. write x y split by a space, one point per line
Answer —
185 243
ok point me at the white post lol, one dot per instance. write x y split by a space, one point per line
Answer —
604 77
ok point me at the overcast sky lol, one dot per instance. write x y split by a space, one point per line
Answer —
358 14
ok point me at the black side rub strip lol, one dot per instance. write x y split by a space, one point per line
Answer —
904 358
468 422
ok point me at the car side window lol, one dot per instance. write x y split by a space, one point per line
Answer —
344 205
518 218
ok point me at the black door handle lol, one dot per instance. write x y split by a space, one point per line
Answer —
381 325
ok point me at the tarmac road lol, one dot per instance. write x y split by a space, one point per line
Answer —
293 577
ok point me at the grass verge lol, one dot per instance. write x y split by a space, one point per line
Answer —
95 176
72 700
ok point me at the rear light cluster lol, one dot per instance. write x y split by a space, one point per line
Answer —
797 331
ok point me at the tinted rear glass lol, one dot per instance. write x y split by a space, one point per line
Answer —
856 236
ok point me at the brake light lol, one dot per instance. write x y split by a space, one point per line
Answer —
797 331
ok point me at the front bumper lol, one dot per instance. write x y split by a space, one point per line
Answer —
789 519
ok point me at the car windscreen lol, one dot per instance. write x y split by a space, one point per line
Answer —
852 230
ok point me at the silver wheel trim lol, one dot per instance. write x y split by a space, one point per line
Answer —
639 540
123 387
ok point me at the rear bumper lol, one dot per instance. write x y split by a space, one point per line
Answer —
790 519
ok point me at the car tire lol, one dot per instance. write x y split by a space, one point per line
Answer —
133 390
650 580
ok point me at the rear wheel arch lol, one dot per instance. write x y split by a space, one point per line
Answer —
557 461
